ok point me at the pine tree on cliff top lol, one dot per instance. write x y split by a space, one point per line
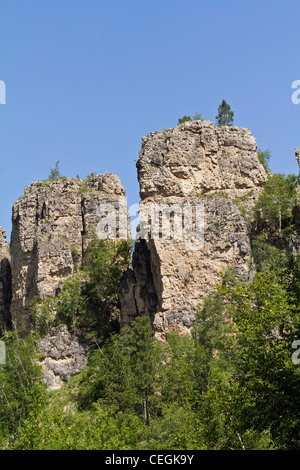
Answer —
225 115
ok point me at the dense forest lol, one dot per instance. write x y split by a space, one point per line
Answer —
234 383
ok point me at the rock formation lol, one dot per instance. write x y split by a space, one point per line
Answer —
5 280
63 356
198 184
52 225
193 174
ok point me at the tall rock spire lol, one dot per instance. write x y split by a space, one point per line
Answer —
192 167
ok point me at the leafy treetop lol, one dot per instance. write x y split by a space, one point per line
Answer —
196 117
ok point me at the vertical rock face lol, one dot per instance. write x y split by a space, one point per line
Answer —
138 293
5 280
52 225
197 183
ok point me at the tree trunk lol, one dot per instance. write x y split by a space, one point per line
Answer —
146 409
280 223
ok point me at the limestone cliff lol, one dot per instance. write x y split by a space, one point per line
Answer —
63 356
5 280
197 185
52 225
195 166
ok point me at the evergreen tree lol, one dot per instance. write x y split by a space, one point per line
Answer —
124 374
54 172
145 359
225 115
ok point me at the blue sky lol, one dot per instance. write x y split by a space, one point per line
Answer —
86 79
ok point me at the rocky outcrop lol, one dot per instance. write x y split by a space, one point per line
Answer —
53 224
63 356
5 281
199 158
197 185
138 293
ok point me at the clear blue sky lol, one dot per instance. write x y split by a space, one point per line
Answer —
86 79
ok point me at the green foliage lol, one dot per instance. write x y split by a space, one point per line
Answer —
93 174
268 257
213 195
55 172
231 384
225 116
105 263
184 119
246 330
273 228
264 158
88 300
123 373
264 380
291 277
196 117
145 355
274 206
181 378
96 429
177 428
21 388
75 255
